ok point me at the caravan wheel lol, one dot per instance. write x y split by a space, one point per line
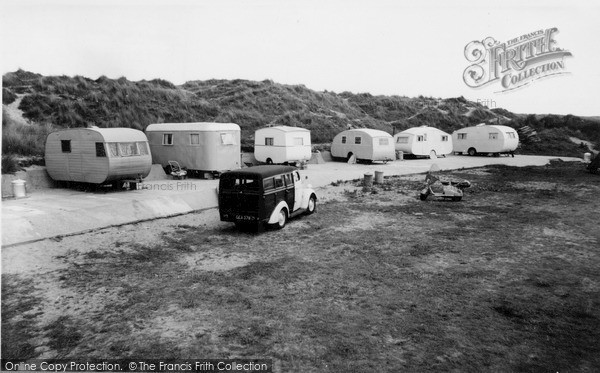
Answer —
269 161
472 152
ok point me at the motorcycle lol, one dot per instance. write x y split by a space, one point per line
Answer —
445 189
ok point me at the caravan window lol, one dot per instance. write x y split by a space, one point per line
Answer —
358 140
227 139
298 141
127 149
402 140
268 141
461 136
422 138
112 148
343 139
65 145
444 138
100 150
493 135
194 139
143 147
511 135
167 139
383 141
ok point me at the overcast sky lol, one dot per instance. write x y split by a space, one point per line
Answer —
381 47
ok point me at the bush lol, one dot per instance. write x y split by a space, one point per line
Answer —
28 140
8 96
10 164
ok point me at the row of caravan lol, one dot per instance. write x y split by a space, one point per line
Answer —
484 139
375 145
104 155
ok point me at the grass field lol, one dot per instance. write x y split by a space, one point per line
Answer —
506 280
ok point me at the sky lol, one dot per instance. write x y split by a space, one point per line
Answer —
382 47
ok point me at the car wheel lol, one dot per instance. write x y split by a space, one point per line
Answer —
472 152
281 219
312 205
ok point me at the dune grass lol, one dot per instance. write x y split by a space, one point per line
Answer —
63 101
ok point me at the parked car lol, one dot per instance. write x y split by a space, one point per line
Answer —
269 194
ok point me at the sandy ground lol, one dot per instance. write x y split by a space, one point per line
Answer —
45 260
58 212
40 257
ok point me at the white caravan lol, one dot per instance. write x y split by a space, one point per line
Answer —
364 144
485 139
282 144
423 141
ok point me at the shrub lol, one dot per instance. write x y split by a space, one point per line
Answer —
10 164
8 96
28 140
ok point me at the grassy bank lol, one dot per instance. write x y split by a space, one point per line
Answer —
63 101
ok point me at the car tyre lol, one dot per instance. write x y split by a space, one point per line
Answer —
312 205
282 218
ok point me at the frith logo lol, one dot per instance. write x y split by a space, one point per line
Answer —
516 62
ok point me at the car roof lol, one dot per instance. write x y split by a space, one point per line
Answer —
261 171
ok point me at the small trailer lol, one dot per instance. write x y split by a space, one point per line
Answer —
423 141
282 144
485 139
98 155
364 144
200 147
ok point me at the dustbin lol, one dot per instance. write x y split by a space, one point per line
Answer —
587 157
368 180
378 177
18 187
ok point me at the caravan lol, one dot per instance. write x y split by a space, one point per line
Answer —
364 144
485 139
282 144
423 141
98 155
198 147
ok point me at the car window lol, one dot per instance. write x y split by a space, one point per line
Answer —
268 183
288 179
278 181
238 183
296 176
